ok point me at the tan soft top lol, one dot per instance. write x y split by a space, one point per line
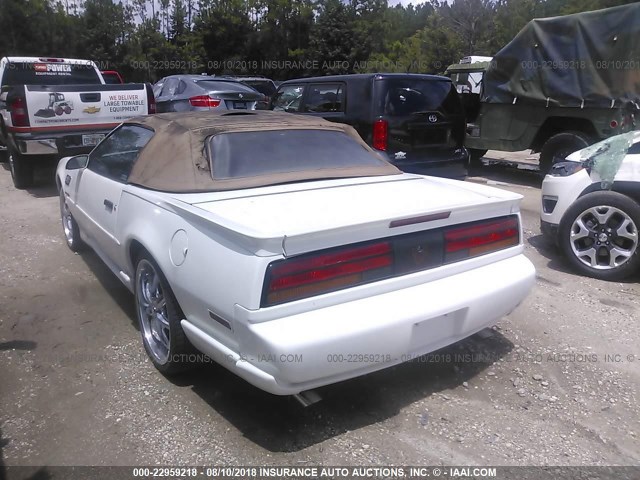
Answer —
176 157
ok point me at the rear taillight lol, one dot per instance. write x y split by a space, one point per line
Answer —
309 275
480 238
19 114
380 134
344 267
204 101
151 99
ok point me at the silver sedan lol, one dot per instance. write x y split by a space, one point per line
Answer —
180 93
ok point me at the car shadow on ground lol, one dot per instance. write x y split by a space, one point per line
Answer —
3 443
117 291
44 183
281 424
18 345
507 173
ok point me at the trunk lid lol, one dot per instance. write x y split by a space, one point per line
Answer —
235 95
308 218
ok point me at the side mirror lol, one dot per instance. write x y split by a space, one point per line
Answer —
77 162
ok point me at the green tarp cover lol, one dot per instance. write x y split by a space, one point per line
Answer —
586 59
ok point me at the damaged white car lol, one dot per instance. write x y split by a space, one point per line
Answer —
286 249
591 207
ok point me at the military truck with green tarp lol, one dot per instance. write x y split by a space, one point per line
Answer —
560 85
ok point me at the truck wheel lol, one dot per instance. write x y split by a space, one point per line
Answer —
4 154
559 147
21 169
599 235
475 156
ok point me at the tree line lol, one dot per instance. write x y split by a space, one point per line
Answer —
147 39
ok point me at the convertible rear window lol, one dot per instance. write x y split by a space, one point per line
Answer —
253 154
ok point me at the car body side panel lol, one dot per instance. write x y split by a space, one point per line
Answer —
213 275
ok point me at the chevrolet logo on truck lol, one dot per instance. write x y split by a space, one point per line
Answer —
91 109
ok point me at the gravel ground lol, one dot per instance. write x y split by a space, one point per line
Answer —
554 383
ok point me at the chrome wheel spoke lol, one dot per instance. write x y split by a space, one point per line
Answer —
628 230
615 253
602 214
582 232
155 282
161 330
152 309
159 304
591 254
146 291
162 320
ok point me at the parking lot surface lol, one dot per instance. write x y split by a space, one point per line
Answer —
557 382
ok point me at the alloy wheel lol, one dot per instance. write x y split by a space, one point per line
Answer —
152 311
603 237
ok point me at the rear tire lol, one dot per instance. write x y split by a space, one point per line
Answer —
4 154
21 169
559 147
159 316
599 235
475 157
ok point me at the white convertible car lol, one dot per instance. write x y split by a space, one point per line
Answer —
286 249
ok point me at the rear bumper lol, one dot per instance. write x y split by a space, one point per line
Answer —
319 347
62 144
438 163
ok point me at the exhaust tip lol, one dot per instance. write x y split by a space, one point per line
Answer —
307 398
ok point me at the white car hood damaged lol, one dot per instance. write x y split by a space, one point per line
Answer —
326 214
609 159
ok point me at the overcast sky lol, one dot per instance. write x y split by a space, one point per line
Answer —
405 2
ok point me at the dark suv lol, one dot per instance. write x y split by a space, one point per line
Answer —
417 120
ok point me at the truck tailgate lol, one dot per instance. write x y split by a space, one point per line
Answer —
66 106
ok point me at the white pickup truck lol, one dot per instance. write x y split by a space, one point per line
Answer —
59 107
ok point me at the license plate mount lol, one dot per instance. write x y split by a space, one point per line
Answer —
92 139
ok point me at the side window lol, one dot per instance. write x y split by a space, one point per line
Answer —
325 97
288 98
182 86
115 156
169 87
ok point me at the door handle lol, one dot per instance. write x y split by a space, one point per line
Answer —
108 204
